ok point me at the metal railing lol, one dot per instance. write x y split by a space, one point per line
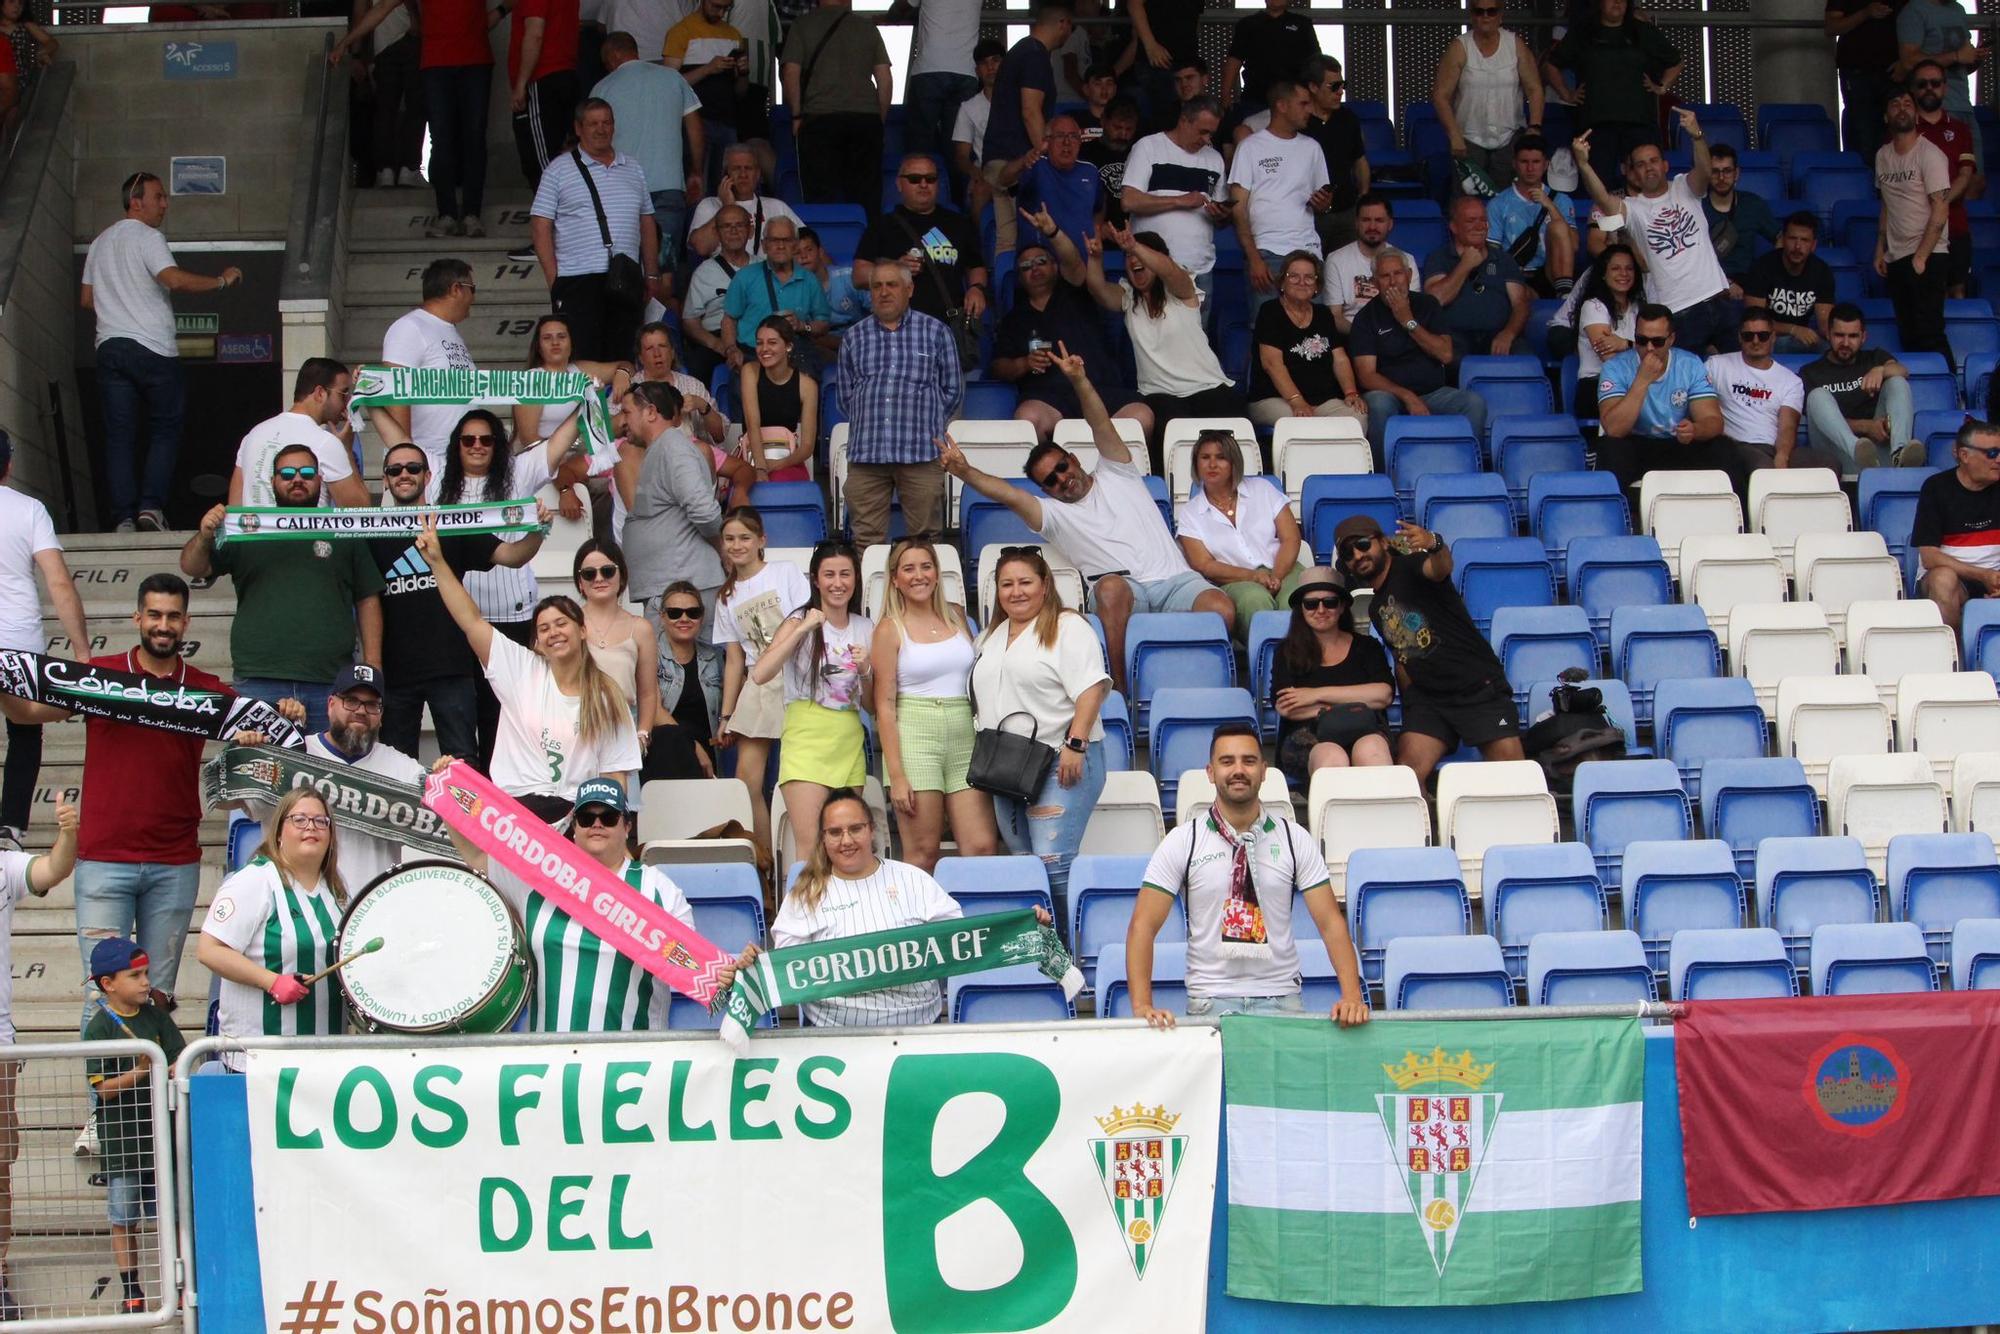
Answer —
313 230
62 1255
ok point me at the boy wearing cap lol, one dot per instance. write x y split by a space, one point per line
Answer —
126 1012
1454 688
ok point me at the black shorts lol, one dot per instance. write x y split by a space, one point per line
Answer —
1476 718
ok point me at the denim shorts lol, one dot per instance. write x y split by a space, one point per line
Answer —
1175 594
129 1198
1199 1007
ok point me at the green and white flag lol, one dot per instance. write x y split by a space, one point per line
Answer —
391 386
1433 1164
508 518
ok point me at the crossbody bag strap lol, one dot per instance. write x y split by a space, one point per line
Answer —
603 223
812 61
930 269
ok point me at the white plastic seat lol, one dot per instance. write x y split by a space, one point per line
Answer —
875 575
1126 822
998 448
673 811
1069 579
1194 792
1302 447
1837 570
1820 717
1720 570
1940 714
1177 447
1773 640
1975 792
1491 803
1788 503
836 465
1075 435
1875 797
1378 806
1674 506
1890 640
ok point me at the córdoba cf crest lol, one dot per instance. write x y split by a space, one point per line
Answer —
1438 1138
1137 1161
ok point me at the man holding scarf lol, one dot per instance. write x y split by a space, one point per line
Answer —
1237 868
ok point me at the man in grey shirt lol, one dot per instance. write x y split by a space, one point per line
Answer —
670 533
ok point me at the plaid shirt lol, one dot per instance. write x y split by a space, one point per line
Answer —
898 388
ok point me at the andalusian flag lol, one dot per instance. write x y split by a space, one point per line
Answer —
1433 1164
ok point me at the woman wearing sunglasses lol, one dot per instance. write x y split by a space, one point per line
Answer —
1329 685
689 690
622 643
273 924
923 653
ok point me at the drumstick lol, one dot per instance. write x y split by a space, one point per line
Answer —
369 948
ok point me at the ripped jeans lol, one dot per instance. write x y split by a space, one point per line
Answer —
1051 826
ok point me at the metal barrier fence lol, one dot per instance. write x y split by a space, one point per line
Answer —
62 1255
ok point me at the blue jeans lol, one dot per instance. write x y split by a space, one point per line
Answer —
1276 263
454 702
1205 284
1828 430
312 694
1383 405
1199 1007
455 102
1051 827
115 898
670 213
930 106
141 390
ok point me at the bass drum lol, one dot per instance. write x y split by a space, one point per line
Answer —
454 958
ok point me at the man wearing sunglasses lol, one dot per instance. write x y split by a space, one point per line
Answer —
318 420
1454 688
1954 138
940 249
1957 527
298 603
1761 403
1656 408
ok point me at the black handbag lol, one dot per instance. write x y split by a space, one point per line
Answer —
1345 724
624 280
1009 764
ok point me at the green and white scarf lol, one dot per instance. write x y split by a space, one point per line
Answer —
509 518
443 386
366 803
927 952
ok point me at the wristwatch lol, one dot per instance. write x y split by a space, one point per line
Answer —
1410 325
1075 743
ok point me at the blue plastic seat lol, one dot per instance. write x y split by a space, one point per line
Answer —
794 513
1807 883
1823 189
1533 888
1712 718
1319 984
1936 429
1117 720
1101 893
1395 892
1654 644
244 836
1617 708
1509 384
1616 802
1888 502
1939 880
1932 385
1495 572
1979 635
1175 648
1870 959
1524 444
989 400
1415 446
1976 366
1017 994
1328 498
1114 995
995 884
1267 631
1803 165
1605 573
1975 954
1565 506
1745 801
1746 963
984 523
1181 725
1589 968
728 903
1445 973
1540 643
1461 505
1680 885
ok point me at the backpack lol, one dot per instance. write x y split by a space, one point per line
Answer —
1578 731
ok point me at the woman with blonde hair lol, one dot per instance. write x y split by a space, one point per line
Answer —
923 658
274 923
753 602
562 718
1045 663
1239 532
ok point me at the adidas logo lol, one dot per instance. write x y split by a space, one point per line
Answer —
412 562
411 583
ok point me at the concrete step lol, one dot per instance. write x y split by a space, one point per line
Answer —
48 971
496 333
56 914
206 644
72 1274
396 275
400 216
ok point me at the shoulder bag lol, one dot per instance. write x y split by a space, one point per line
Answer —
964 328
804 356
624 280
1007 764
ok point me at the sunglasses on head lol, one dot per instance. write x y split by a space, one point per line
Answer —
405 469
288 474
1009 553
681 613
1327 603
475 441
592 573
1651 340
592 817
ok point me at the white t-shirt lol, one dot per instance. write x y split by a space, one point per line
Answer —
1159 166
1044 683
1193 864
646 20
841 668
362 856
538 749
420 338
761 210
1114 527
25 530
1594 312
1281 174
1251 541
308 922
757 606
970 127
895 895
1681 267
1350 277
1752 398
947 30
262 442
504 594
124 292
1172 353
13 884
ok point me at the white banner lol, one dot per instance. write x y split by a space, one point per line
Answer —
951 1180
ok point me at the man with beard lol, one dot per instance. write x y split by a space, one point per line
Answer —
1912 247
1858 401
1954 139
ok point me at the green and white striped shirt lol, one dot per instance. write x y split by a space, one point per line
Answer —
286 928
582 984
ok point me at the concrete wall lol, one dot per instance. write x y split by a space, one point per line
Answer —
128 116
1795 64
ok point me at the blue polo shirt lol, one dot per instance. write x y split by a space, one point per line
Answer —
1667 398
748 300
1071 197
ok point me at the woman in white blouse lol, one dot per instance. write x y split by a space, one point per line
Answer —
1042 665
1238 532
1605 319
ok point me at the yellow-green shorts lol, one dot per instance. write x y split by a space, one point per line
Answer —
936 736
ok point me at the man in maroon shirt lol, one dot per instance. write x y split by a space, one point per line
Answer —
1953 138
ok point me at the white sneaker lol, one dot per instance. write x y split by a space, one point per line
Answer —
411 179
385 179
126 526
86 1140
443 227
473 226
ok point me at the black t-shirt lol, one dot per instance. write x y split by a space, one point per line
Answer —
420 641
1965 523
1308 352
1791 299
1845 381
950 242
1365 665
1425 624
1109 160
1071 319
1272 49
691 709
1339 137
1175 23
1027 65
1379 334
1872 46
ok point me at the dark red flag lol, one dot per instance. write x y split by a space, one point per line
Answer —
1828 1102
